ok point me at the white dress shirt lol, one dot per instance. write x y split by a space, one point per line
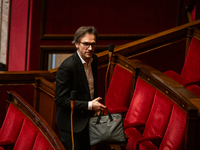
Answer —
90 79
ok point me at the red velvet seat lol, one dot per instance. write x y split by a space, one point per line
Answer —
173 138
118 96
160 118
27 136
136 116
191 70
11 126
157 121
24 129
30 137
18 131
175 133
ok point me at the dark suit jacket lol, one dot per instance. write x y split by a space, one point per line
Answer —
71 76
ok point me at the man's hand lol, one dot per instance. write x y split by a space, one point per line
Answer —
97 106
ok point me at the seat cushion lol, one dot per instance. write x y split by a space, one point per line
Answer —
133 135
147 145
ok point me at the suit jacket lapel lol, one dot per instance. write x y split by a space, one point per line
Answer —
81 72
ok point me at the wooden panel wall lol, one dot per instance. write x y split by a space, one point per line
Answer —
44 23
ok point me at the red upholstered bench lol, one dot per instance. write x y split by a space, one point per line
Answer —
162 121
23 128
161 114
154 121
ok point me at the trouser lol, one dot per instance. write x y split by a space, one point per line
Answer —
81 140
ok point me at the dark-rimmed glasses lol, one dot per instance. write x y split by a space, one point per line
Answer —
87 45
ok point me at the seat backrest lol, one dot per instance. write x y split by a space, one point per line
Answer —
191 68
141 103
193 13
119 91
159 116
41 143
175 133
30 137
27 136
11 126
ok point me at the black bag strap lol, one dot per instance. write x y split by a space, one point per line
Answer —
99 117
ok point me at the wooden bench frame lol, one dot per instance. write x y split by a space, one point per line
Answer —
44 89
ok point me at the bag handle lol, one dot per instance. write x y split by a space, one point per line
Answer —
99 117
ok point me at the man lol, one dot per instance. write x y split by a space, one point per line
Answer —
79 73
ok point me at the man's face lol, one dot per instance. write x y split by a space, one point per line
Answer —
86 47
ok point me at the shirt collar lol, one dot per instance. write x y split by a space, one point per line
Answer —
83 61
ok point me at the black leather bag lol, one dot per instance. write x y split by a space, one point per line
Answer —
106 129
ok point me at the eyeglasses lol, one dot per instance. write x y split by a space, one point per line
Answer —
87 45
